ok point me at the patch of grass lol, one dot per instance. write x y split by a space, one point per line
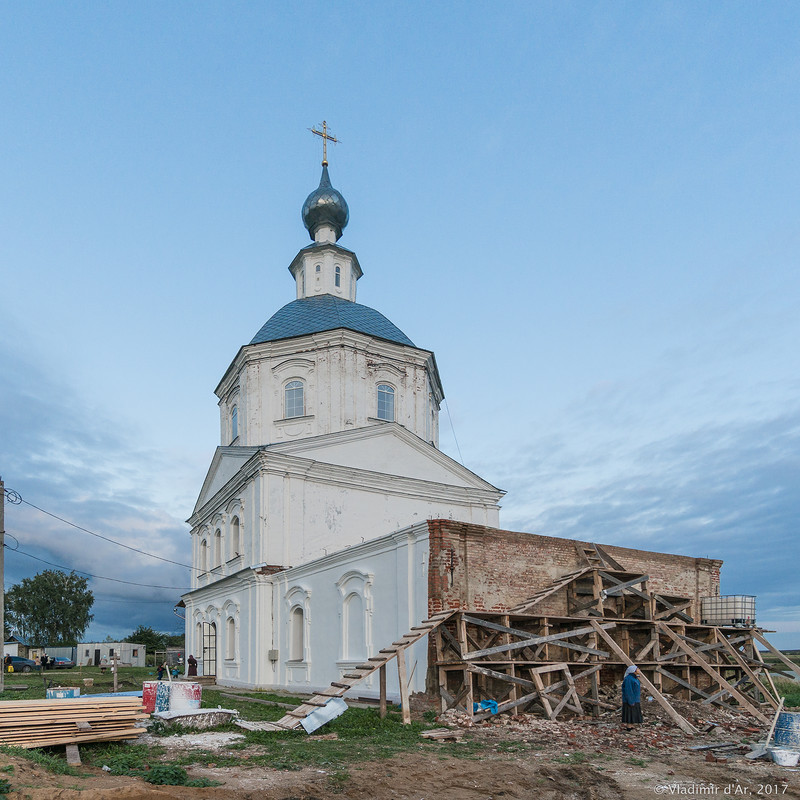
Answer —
9 768
121 758
49 761
514 747
637 762
337 781
5 788
275 698
790 690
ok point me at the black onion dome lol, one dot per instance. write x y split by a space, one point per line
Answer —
325 206
328 313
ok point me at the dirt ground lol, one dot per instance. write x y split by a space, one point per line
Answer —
521 757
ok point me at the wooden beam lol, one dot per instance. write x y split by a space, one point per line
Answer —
382 684
621 587
682 723
617 582
777 653
501 676
709 669
554 637
753 677
401 677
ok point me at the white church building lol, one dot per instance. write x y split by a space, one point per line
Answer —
309 537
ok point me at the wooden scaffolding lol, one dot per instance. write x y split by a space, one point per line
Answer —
531 662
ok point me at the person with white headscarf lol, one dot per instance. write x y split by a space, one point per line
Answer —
632 697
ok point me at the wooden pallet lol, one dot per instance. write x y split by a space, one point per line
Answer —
397 649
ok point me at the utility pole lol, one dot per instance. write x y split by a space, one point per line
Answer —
2 578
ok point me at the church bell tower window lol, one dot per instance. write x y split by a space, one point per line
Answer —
338 278
294 399
386 402
234 423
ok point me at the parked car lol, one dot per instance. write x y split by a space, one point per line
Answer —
60 662
21 664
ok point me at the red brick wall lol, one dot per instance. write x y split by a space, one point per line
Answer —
486 569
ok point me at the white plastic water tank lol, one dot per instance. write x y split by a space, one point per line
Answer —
738 610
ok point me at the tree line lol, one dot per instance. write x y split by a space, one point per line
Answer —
53 609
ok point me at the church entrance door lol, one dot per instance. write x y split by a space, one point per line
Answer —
209 648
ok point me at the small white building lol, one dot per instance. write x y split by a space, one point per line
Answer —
95 654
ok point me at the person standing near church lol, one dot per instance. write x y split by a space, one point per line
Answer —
192 662
632 697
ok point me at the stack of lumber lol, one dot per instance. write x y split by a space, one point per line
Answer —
42 723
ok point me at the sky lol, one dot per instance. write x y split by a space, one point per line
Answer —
588 211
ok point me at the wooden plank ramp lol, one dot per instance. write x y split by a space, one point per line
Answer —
294 718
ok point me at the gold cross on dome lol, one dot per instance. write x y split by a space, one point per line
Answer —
326 137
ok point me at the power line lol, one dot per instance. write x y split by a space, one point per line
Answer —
100 535
452 428
99 577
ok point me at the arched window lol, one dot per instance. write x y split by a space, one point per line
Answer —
294 399
236 546
230 638
386 402
302 282
217 547
338 278
204 555
234 423
296 635
355 643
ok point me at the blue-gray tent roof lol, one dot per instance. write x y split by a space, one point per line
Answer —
327 313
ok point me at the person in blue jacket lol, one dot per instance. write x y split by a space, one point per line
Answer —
632 697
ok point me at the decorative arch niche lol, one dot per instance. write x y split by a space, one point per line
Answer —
356 607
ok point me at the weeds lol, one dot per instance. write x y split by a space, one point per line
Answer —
52 763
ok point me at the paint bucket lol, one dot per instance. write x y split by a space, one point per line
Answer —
63 694
784 758
162 695
787 731
184 696
149 696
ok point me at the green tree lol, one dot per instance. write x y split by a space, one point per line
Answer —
51 609
152 640
176 639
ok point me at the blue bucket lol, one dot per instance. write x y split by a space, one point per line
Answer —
787 731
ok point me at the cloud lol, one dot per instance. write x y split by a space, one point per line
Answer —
726 491
83 466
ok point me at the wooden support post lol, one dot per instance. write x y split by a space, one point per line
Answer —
401 677
714 674
682 723
382 683
73 755
595 694
766 671
463 644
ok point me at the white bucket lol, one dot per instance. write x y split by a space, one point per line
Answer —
784 758
184 696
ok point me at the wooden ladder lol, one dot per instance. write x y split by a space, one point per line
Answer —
537 597
293 718
595 556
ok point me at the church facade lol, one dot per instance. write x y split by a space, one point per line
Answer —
310 535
